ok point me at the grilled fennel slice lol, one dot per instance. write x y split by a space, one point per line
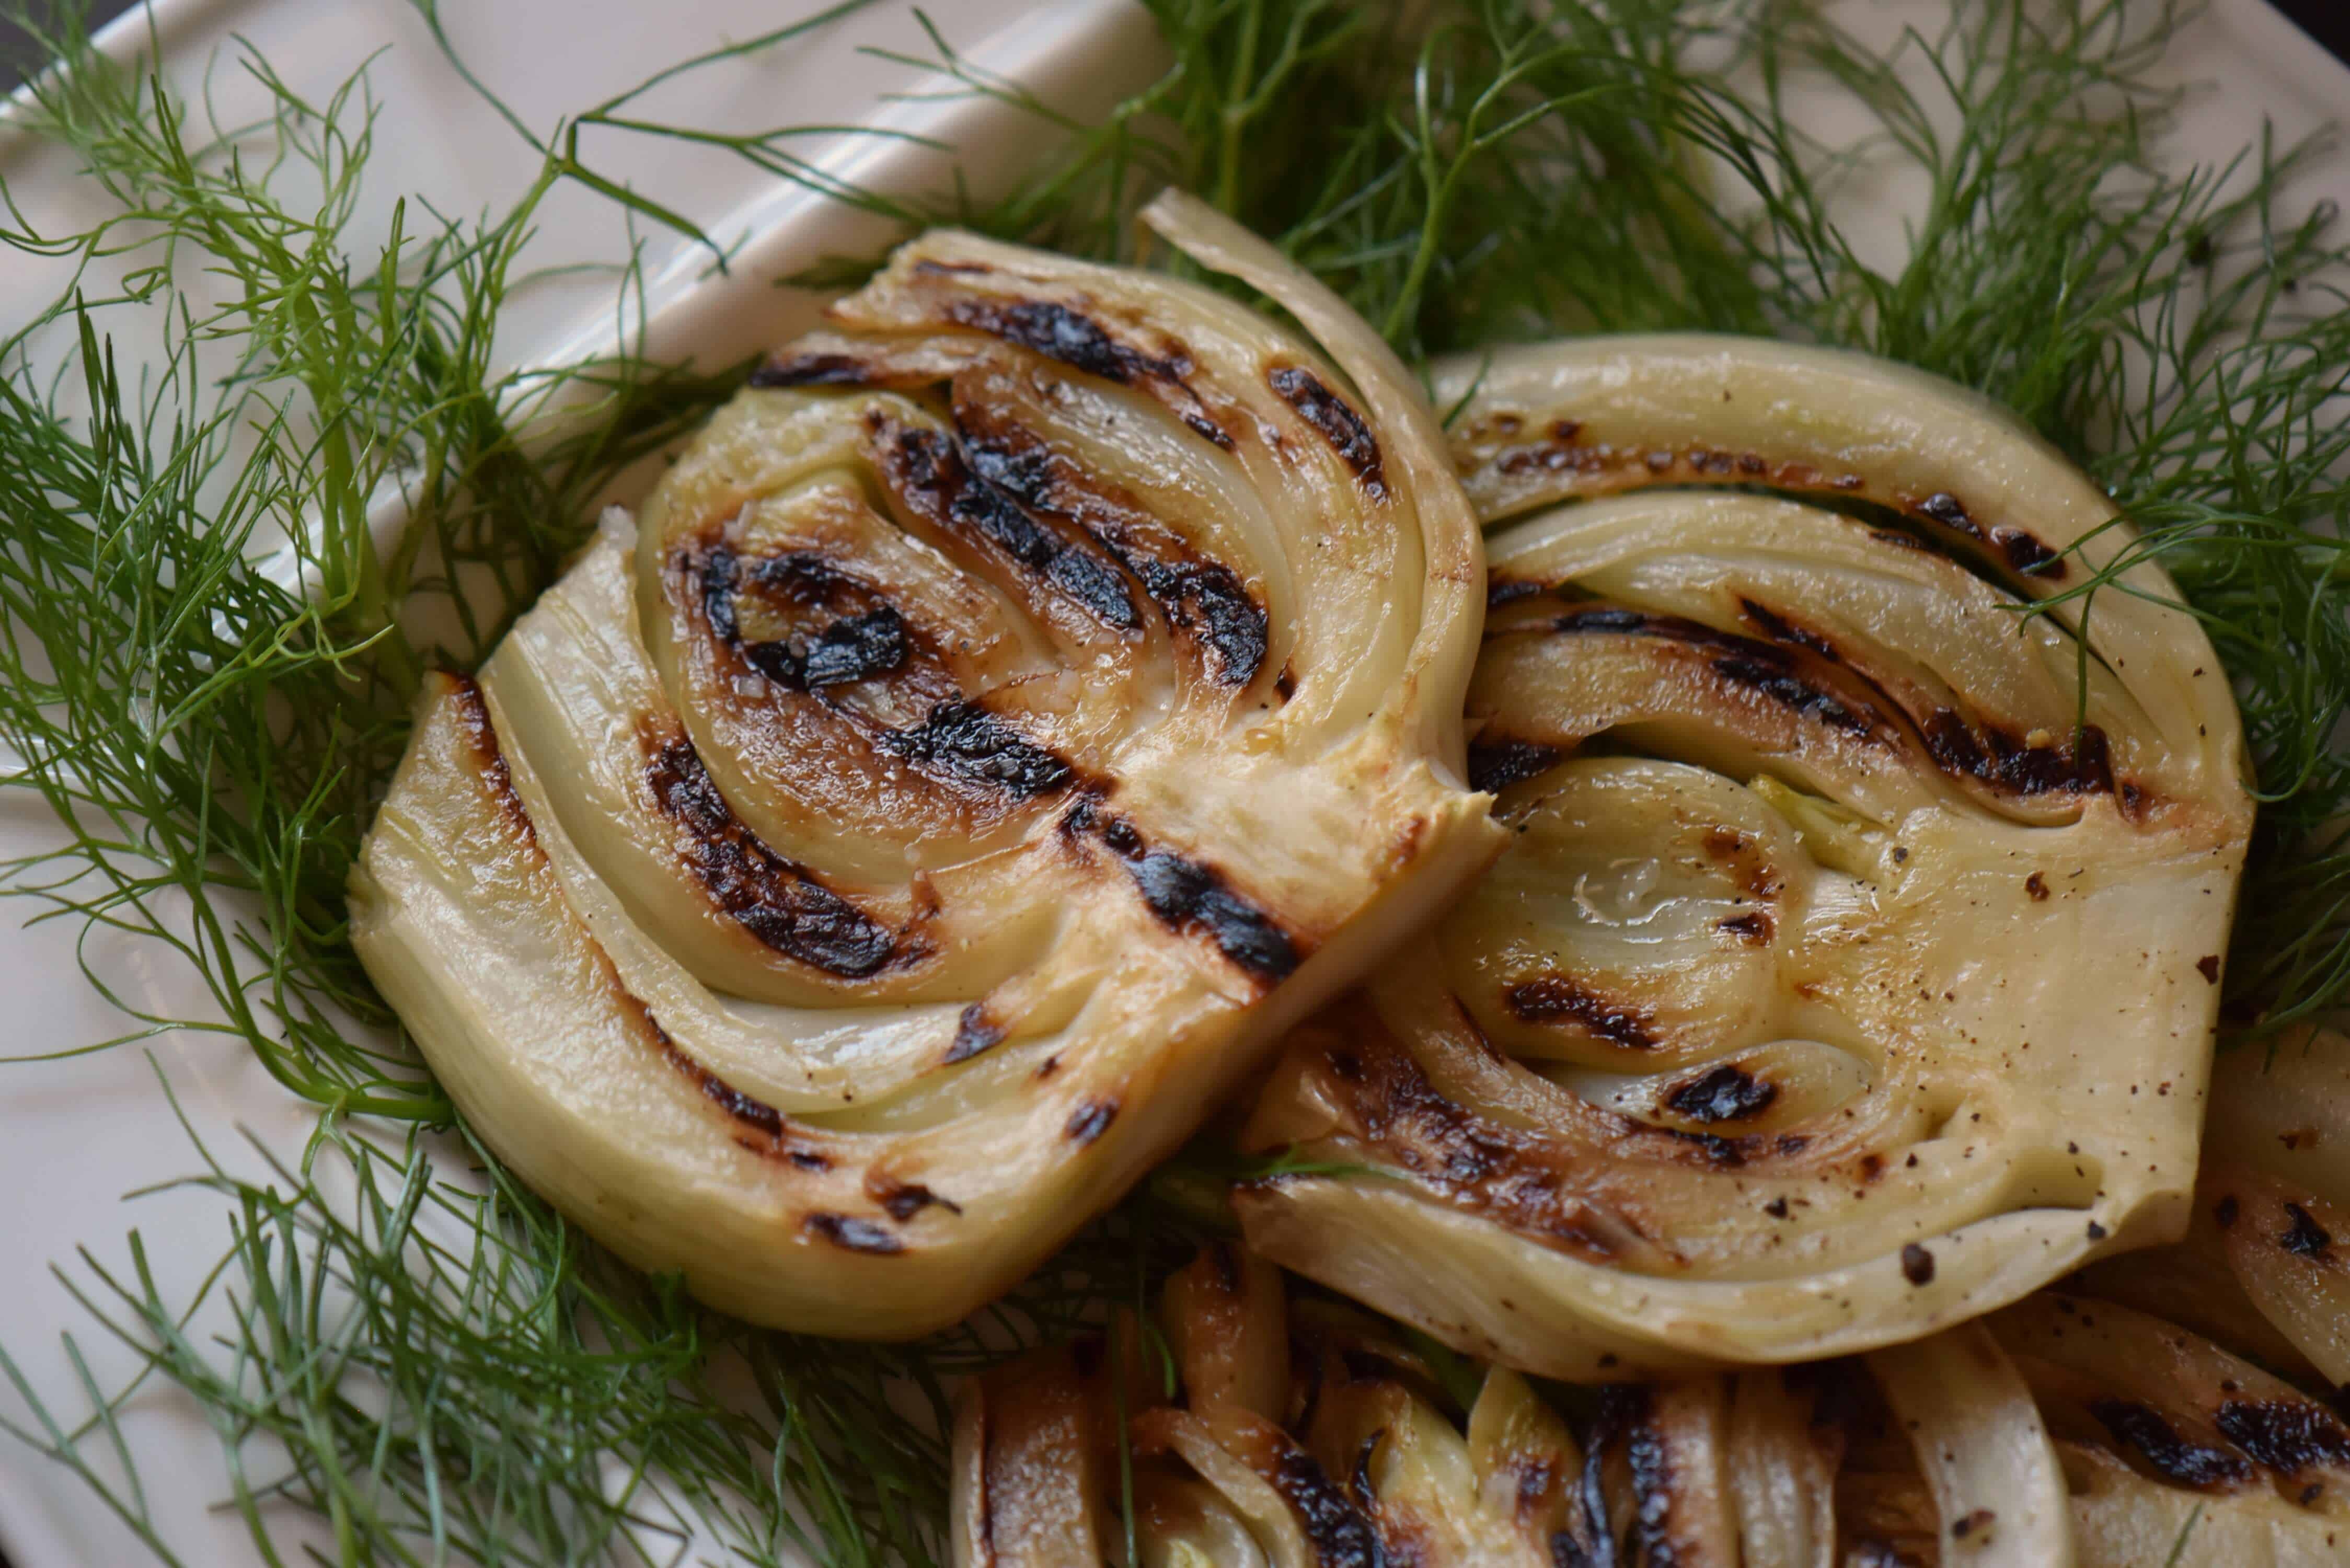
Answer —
1028 698
1853 966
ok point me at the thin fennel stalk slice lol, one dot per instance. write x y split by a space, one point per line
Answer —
1853 965
1032 694
1246 1422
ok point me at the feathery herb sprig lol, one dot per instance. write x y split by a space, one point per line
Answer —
446 1369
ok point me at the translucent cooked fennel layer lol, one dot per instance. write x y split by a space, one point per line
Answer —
1281 1429
1030 695
1853 965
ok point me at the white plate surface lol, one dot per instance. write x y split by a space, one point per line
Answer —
76 1135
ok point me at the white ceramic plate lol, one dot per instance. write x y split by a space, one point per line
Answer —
76 1135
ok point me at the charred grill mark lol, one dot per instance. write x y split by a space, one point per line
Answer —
1776 628
1069 337
2288 1435
773 1128
1562 452
1790 691
2023 552
819 368
960 740
1209 600
2303 1237
1742 661
1089 1121
904 1200
1188 895
1651 1462
775 901
1192 897
1992 755
1204 598
851 1234
1338 422
1471 1163
1365 1494
1341 1537
752 1113
2173 1455
1727 1094
1559 999
1717 1150
1500 591
489 757
472 717
1495 764
1755 929
803 577
855 647
974 1033
943 483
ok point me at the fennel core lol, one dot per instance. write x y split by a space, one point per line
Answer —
1503 171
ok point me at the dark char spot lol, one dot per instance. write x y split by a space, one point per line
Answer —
974 1033
1945 509
2171 1454
852 1234
963 741
1500 591
775 901
2022 551
1090 1120
1753 930
2304 1237
2224 1212
2288 1435
718 594
1494 765
2208 966
1727 1094
1917 1264
1341 1537
1556 999
1336 418
904 1200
